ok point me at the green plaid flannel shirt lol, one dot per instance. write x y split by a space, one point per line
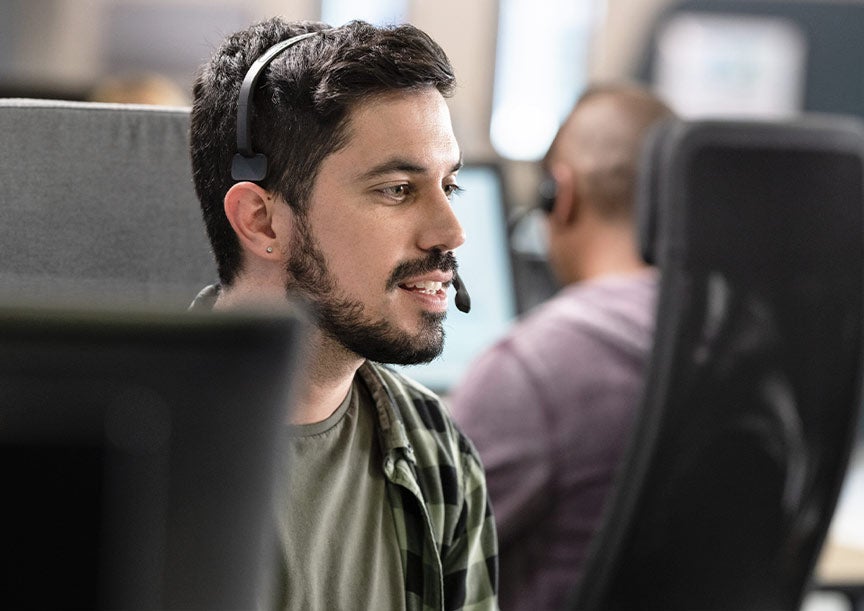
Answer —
437 489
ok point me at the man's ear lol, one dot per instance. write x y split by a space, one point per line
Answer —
250 211
565 210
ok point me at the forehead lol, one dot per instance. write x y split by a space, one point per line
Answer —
415 124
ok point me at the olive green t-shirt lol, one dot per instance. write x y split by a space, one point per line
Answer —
337 530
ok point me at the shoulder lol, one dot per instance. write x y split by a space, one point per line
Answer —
612 311
421 411
451 484
556 349
448 467
439 448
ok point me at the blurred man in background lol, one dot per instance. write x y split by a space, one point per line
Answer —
549 407
139 88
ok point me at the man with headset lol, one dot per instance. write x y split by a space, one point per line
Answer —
550 405
325 162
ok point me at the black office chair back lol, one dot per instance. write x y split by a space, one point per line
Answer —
754 385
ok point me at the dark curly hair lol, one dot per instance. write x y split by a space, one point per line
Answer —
301 106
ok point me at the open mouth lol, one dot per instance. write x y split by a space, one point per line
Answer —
428 287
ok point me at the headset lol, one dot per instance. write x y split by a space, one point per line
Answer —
547 191
252 166
247 164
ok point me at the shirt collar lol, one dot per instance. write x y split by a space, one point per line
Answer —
391 428
206 298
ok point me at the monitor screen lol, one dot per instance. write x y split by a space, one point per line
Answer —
731 65
485 268
137 455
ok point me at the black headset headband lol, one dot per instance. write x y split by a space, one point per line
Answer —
247 164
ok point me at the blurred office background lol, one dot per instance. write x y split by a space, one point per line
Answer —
520 66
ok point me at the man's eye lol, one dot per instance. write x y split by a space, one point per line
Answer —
453 190
397 191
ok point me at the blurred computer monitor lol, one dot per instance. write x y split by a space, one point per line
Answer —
485 266
756 58
731 65
137 457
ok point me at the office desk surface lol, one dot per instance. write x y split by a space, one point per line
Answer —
842 559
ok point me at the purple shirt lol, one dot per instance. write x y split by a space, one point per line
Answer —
549 408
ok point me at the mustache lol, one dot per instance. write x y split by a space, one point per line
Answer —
436 261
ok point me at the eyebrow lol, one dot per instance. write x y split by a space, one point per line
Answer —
401 165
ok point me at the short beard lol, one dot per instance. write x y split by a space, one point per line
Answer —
345 320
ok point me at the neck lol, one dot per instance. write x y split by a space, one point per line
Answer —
329 369
606 251
325 382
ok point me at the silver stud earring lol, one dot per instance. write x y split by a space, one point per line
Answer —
269 249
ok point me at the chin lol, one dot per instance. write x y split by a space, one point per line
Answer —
404 346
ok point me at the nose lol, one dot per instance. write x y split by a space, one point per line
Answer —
441 227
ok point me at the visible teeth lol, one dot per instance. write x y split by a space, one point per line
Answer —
428 287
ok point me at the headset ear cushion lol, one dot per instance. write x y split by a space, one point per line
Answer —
249 168
547 192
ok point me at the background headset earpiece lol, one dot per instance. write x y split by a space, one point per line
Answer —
252 166
547 190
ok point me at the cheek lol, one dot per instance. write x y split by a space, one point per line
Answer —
362 250
357 260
